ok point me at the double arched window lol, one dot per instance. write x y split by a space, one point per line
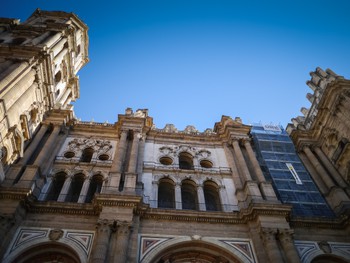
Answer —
191 198
74 191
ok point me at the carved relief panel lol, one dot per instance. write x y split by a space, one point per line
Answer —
87 150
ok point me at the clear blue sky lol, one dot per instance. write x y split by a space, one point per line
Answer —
189 62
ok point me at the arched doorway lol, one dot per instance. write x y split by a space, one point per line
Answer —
48 253
328 259
194 252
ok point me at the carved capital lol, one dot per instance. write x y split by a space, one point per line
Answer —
268 234
124 228
286 235
104 225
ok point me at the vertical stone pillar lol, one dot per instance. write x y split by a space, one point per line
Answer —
319 168
178 199
257 170
329 166
123 233
134 152
33 145
235 174
265 187
154 200
117 165
223 199
268 236
103 235
201 198
309 167
45 190
115 172
48 146
241 162
140 159
84 190
286 238
65 189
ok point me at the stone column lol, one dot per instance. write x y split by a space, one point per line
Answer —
115 172
117 165
201 198
123 233
178 200
268 236
329 166
65 189
319 168
84 190
46 189
141 157
259 174
154 200
309 167
235 174
134 152
103 230
241 162
33 145
286 238
47 147
223 199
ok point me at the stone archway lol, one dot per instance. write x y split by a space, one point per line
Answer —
328 259
194 252
48 253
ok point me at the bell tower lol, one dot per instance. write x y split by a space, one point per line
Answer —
39 62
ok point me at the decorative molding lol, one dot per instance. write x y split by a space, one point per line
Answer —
148 243
79 240
308 250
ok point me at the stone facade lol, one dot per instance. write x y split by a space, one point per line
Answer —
74 191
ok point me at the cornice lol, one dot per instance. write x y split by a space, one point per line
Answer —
236 217
337 223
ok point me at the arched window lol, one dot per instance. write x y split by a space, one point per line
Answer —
211 196
166 193
340 149
87 155
94 188
186 161
75 188
189 197
56 186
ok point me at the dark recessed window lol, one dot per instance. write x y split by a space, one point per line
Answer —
166 194
186 161
18 40
206 164
58 76
87 155
166 160
69 155
103 157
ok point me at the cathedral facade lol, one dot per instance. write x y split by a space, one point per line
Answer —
75 191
